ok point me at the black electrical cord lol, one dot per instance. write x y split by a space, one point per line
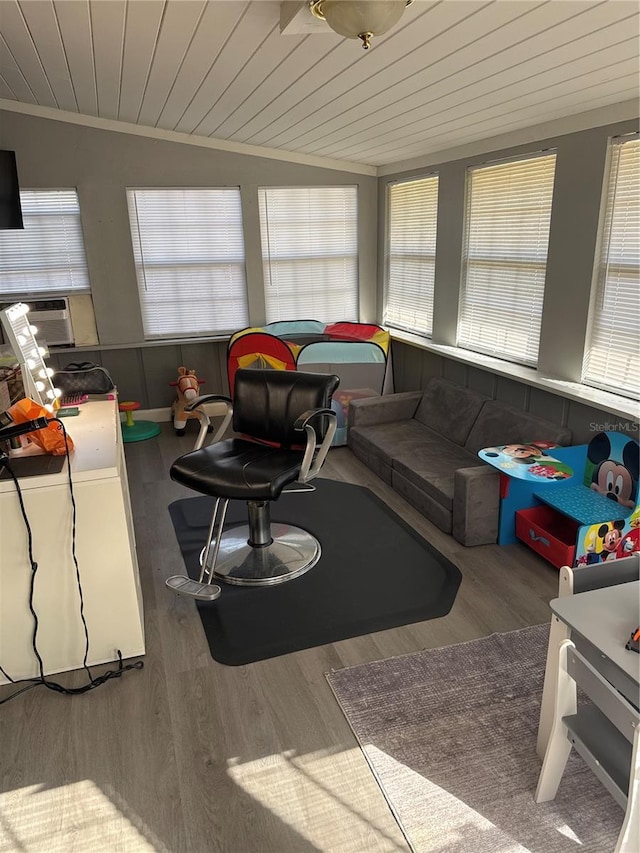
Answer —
92 682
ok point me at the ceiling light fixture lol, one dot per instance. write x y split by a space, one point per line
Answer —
359 20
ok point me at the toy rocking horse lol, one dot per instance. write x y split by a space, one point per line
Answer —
187 389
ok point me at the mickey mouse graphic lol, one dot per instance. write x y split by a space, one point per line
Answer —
616 480
524 453
540 464
611 537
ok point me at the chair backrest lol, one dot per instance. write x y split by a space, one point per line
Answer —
267 403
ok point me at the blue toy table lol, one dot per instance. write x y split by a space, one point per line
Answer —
518 481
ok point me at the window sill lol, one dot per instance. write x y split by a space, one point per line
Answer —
160 342
612 403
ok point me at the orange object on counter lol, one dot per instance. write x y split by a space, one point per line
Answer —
51 439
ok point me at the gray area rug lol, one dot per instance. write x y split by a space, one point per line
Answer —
450 735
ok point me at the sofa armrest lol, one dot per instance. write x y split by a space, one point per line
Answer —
383 410
476 505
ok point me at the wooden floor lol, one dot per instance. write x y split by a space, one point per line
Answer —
188 755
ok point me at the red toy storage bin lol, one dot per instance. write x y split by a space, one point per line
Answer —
548 532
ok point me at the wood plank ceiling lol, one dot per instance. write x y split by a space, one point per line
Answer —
451 71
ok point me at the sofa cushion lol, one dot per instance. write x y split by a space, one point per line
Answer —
499 423
424 503
431 466
390 440
371 458
449 409
383 410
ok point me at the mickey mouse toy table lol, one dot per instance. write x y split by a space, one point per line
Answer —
523 467
570 520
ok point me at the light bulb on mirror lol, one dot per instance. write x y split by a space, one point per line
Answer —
40 385
42 350
17 311
49 407
33 330
31 364
50 394
57 392
21 340
50 371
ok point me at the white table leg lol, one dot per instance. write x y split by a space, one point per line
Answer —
559 745
557 633
629 838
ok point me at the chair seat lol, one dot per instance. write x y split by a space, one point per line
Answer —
238 469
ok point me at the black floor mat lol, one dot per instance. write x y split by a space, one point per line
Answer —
375 573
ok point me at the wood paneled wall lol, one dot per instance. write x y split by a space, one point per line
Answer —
144 373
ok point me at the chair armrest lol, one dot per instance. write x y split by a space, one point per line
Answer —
383 410
312 461
307 416
206 398
204 418
476 505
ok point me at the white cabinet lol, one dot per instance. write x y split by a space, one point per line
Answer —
105 550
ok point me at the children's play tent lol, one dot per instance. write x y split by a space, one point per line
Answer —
356 352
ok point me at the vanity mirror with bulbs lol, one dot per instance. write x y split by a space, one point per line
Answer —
21 337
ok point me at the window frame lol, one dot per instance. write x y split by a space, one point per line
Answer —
602 266
277 308
240 304
70 223
504 353
424 329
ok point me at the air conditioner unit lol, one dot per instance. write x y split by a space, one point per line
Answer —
53 321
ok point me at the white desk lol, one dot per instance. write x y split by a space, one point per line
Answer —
601 622
105 549
606 731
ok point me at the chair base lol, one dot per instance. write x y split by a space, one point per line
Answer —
292 552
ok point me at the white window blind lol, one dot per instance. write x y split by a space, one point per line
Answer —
48 255
310 252
612 358
188 247
504 264
411 255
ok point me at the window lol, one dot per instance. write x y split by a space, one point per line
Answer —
188 247
612 358
48 255
505 256
310 253
411 251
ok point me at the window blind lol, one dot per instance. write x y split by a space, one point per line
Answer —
48 255
508 212
411 255
612 358
188 247
310 252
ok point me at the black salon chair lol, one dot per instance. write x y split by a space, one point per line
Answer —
286 425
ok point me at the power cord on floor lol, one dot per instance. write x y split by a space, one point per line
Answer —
92 682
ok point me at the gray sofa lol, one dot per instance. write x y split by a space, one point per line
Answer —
424 444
